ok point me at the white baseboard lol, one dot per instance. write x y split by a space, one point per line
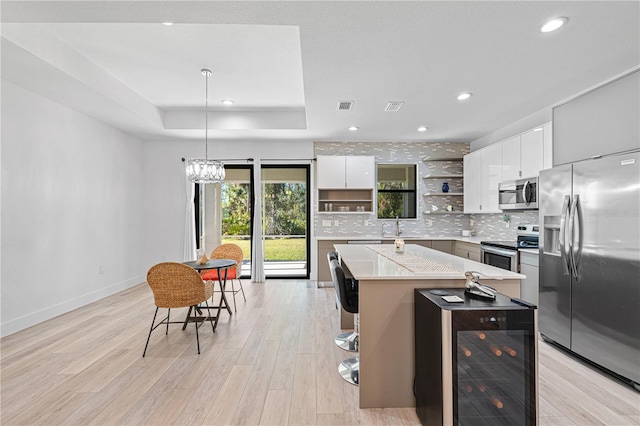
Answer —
37 317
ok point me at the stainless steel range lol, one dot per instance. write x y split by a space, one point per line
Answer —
504 254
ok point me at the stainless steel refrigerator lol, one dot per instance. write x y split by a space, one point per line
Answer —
590 260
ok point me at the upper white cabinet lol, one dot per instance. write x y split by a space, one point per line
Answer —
341 172
511 158
472 182
482 174
600 122
523 155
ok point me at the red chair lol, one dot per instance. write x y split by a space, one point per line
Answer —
228 251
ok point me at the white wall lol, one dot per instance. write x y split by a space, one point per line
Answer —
72 201
165 193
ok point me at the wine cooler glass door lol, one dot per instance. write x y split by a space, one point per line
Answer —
494 368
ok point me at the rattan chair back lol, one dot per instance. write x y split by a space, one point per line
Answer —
229 251
175 285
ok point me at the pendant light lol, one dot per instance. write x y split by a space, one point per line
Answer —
205 170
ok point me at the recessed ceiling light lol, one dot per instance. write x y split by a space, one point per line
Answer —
553 24
463 96
423 128
227 102
168 24
354 128
537 129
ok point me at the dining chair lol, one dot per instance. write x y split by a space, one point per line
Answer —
228 251
175 285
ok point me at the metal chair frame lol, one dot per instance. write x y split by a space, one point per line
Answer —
231 251
175 285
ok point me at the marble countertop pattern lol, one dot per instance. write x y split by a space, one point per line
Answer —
367 263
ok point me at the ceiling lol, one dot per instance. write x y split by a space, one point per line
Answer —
287 65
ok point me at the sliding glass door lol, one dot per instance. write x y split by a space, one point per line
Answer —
285 218
224 214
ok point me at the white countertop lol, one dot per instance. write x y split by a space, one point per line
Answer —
473 240
365 263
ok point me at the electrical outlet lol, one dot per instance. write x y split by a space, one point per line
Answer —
366 222
429 223
336 222
100 270
326 223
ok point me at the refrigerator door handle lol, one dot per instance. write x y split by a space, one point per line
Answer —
574 238
564 255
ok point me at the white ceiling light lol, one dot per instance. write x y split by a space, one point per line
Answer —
227 102
423 128
553 24
205 170
168 24
537 129
354 128
464 96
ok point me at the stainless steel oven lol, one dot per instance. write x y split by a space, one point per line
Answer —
500 254
504 254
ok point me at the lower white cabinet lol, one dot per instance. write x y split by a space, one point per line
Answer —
529 286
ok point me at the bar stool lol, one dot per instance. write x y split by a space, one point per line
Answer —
347 290
349 340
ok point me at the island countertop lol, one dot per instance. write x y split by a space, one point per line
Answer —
380 262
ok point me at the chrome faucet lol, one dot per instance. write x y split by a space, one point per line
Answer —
398 230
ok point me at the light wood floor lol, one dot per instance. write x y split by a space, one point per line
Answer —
274 362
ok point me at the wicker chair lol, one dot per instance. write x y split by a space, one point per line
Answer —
228 251
175 285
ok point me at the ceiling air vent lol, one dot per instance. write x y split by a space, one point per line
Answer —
394 106
345 105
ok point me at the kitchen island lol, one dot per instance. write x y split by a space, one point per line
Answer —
386 283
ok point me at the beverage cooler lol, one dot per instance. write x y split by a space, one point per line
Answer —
475 360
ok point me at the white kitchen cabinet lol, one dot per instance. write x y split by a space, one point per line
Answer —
547 150
345 184
346 172
482 174
529 287
511 158
491 178
472 182
523 155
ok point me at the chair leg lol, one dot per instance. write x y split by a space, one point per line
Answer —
242 288
197 336
233 291
213 328
150 330
168 314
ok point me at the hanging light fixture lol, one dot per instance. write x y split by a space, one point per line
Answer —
205 170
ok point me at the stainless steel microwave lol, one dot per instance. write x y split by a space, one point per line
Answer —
521 194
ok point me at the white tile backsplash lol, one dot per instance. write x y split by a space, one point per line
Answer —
490 226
